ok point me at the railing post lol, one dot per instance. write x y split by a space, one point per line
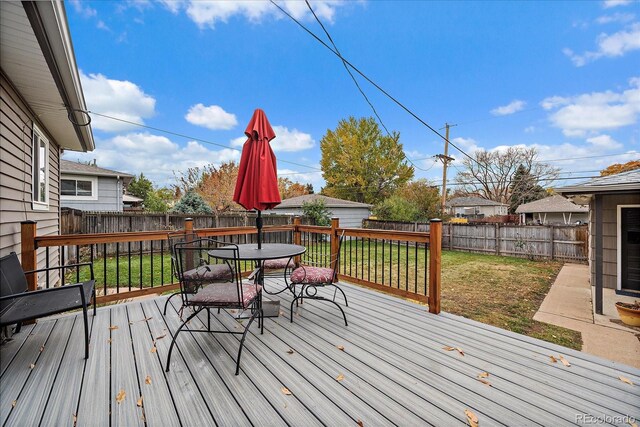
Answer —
334 242
435 255
297 238
188 226
28 252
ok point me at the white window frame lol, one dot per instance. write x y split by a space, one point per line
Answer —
36 138
619 244
94 187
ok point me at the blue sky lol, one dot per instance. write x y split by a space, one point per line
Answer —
563 77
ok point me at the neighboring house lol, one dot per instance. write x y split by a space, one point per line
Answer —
132 203
350 213
90 188
41 115
475 207
553 210
614 227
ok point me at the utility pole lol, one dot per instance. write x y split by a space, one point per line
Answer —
445 161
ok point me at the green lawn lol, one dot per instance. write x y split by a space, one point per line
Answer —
502 291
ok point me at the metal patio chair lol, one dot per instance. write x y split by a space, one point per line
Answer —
219 271
17 305
313 274
201 292
277 268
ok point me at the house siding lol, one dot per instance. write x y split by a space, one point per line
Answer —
16 127
609 236
349 217
556 218
109 196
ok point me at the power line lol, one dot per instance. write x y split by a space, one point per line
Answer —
387 94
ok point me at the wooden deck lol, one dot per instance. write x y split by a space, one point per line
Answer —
388 367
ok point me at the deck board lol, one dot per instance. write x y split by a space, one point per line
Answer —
395 370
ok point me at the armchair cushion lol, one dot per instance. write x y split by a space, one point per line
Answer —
209 272
311 275
225 295
275 264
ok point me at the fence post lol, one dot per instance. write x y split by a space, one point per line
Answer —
28 252
497 238
297 238
335 242
553 231
435 255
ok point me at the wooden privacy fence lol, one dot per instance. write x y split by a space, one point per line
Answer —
402 263
555 242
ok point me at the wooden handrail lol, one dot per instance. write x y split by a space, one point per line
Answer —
408 236
317 229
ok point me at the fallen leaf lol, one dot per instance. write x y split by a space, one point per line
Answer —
460 351
449 348
553 359
146 319
625 380
161 336
340 347
483 381
14 403
472 419
120 396
290 351
360 423
139 402
286 391
483 374
340 377
131 323
109 341
147 380
631 423
75 420
564 361
41 348
33 366
153 349
113 328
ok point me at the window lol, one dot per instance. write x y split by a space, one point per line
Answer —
79 188
40 170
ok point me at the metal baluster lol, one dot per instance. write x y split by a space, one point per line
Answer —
129 258
118 267
368 259
151 261
398 264
406 267
77 261
415 270
140 266
104 268
46 255
382 266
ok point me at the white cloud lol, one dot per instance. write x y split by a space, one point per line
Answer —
83 9
155 156
614 45
206 14
613 3
102 26
116 98
530 129
291 140
596 111
604 142
211 117
285 140
314 177
513 107
616 17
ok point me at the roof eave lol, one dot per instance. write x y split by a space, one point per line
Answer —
49 23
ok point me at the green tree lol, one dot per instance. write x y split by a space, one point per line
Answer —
317 211
158 200
396 208
140 187
192 203
524 188
424 196
360 163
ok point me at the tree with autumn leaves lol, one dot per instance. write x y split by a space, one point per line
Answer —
619 168
361 164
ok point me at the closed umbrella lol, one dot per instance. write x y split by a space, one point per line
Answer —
257 184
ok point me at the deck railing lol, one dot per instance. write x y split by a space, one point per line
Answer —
134 264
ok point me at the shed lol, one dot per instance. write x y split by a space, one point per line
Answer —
614 227
555 209
475 207
350 213
91 188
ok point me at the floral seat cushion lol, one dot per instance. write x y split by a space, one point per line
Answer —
209 272
275 264
309 275
225 295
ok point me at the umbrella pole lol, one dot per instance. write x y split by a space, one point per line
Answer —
259 226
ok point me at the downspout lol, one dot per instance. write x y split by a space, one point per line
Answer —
599 254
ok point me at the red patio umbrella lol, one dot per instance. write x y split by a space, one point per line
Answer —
257 184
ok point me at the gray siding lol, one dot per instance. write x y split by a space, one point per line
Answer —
109 196
16 126
556 218
349 217
609 236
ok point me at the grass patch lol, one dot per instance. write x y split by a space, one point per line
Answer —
502 291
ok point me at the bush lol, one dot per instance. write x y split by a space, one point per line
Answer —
192 203
317 211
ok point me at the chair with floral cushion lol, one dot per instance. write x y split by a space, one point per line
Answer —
201 291
214 271
312 275
278 268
